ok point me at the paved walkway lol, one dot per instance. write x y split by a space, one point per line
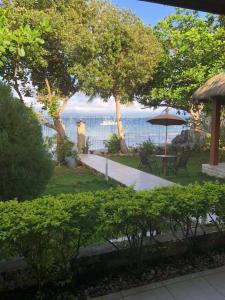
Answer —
207 285
126 175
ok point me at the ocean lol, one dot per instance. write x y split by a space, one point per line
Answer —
100 128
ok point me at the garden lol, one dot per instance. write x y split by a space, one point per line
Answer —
190 174
59 220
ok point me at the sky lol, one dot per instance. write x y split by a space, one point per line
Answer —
150 14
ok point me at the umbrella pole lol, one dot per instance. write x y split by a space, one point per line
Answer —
166 142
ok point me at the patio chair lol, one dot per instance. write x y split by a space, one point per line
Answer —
182 161
146 161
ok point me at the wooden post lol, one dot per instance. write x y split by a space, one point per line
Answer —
215 132
81 140
166 141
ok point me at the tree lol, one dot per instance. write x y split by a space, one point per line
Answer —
194 51
25 166
116 56
20 43
47 70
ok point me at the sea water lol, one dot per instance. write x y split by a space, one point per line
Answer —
100 128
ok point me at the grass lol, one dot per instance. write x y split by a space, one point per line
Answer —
182 177
77 180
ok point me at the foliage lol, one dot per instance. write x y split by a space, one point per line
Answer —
25 166
49 232
44 71
130 219
113 144
146 148
50 144
66 149
194 49
117 55
21 44
87 146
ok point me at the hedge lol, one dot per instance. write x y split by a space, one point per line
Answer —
49 232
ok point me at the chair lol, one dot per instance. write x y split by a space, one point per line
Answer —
182 161
147 161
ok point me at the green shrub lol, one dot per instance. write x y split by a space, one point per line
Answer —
113 144
130 216
87 146
48 232
66 149
25 165
147 148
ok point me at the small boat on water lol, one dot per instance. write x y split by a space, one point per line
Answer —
108 123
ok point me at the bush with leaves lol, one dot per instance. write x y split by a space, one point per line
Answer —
25 165
147 148
66 149
48 232
113 144
132 217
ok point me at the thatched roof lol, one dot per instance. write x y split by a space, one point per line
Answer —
213 6
213 88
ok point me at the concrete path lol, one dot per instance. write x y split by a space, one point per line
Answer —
207 285
123 174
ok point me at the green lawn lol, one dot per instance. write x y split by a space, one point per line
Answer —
77 180
182 177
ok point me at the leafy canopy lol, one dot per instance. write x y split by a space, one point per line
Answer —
194 51
20 44
117 54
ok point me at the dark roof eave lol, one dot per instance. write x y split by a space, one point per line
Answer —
212 6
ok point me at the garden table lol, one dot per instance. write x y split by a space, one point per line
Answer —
165 158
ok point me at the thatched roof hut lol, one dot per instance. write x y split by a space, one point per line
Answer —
213 88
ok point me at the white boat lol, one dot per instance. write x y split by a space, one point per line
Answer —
108 123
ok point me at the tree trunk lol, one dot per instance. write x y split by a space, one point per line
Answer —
121 135
61 136
197 132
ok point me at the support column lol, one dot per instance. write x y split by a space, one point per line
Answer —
215 132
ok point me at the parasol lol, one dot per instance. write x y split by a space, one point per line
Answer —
166 120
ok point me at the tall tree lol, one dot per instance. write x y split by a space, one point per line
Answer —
49 72
194 51
116 56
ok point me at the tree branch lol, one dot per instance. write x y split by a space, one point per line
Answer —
16 86
49 90
64 103
49 125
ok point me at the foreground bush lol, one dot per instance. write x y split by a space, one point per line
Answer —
49 232
25 166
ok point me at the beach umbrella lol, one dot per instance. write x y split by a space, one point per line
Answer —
166 120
